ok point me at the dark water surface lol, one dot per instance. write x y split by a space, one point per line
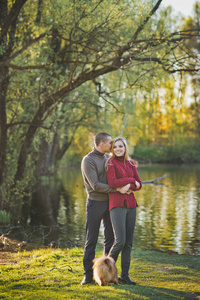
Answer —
168 214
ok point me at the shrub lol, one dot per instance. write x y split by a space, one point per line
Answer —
4 217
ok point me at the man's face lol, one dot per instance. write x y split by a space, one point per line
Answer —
107 145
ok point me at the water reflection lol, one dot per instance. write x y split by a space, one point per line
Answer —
168 213
167 216
71 217
58 203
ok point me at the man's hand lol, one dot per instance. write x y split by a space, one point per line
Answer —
129 192
124 189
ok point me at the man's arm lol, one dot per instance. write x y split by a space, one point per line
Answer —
90 173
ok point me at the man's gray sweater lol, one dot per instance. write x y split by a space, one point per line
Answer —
94 175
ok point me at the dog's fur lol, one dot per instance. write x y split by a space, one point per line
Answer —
105 270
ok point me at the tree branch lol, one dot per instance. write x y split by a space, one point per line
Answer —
139 29
28 44
26 123
12 17
156 179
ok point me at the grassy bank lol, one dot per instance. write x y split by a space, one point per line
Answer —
57 273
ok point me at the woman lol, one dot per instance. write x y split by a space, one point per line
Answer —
122 174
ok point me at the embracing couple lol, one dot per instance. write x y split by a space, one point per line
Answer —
110 182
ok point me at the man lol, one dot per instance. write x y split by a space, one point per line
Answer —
94 176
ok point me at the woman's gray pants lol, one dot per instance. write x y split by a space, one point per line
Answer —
123 222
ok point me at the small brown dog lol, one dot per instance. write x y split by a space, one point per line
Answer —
105 270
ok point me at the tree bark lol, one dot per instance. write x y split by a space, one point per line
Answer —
8 27
4 80
11 18
26 146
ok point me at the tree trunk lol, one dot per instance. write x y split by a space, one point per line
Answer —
4 79
3 88
46 162
27 144
7 37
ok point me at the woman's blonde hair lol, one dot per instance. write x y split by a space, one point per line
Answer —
119 138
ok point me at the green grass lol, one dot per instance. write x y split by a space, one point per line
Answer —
57 273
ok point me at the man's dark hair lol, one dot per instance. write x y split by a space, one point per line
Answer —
101 137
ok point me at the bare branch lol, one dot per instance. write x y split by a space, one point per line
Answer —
25 123
21 68
156 179
28 44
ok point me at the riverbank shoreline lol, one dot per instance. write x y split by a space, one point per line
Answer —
57 273
167 154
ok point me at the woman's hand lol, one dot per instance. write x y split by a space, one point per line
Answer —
137 185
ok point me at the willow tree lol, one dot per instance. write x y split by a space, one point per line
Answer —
50 50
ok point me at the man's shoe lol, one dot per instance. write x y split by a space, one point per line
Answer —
126 280
86 280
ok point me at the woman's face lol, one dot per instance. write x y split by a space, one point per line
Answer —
119 148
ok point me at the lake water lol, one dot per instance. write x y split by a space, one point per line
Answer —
168 213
